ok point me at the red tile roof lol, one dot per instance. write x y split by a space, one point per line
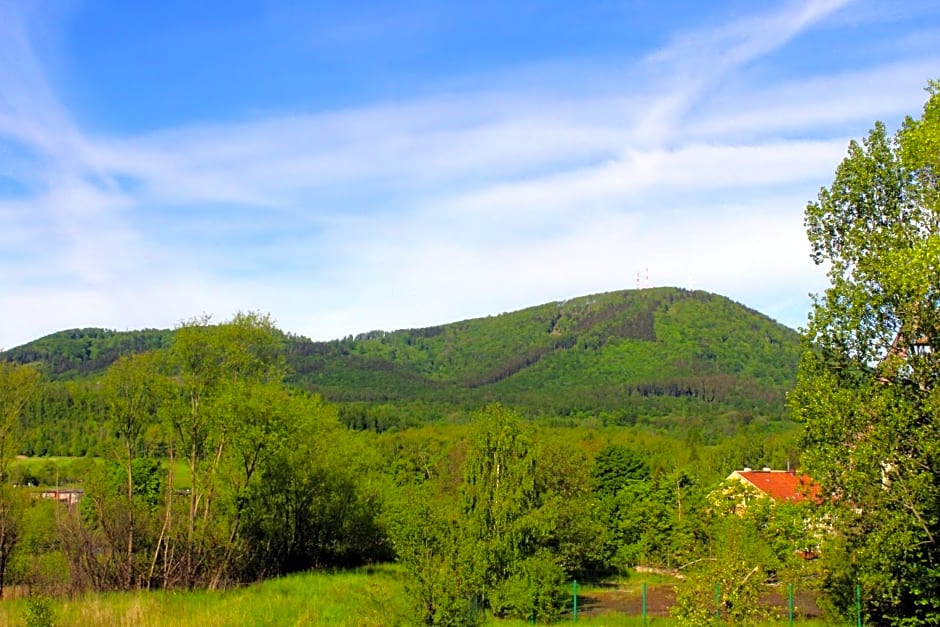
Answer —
781 485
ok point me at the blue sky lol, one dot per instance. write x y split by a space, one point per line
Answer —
381 165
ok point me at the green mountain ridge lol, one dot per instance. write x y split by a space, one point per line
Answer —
626 356
75 353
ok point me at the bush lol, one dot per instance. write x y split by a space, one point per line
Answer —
536 587
724 587
38 612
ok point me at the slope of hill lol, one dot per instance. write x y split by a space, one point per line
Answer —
629 353
627 356
85 352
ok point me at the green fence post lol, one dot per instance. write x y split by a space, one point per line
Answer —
532 612
717 600
644 604
574 603
790 602
858 605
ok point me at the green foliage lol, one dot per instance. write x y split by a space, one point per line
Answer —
525 516
751 540
17 385
38 612
615 467
655 352
522 524
50 471
867 390
307 507
220 414
565 523
272 483
656 522
725 588
38 561
428 541
499 489
534 588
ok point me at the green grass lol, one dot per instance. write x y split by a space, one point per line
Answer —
47 469
35 461
182 478
367 597
52 470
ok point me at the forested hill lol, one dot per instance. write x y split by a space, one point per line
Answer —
625 357
85 352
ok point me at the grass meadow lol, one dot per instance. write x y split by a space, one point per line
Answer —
52 470
367 597
364 597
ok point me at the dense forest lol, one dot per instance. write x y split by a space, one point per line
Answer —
664 357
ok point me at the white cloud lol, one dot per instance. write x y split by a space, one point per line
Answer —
442 207
816 104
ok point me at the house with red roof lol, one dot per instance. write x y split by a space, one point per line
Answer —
780 485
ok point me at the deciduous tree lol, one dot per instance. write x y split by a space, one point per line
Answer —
867 389
133 390
216 368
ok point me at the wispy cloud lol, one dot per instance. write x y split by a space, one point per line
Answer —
437 207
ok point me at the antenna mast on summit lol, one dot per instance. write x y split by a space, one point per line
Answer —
647 282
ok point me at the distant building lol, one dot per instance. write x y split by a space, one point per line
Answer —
781 486
68 497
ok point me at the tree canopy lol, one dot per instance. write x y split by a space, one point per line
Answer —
867 388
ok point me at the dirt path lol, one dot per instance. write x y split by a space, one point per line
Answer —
659 598
630 602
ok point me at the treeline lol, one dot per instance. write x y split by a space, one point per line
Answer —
69 418
83 352
662 352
